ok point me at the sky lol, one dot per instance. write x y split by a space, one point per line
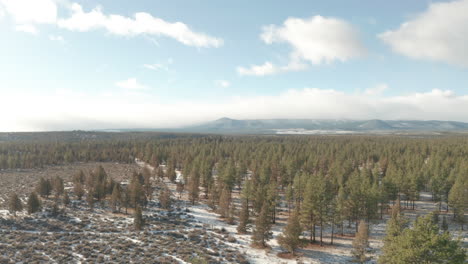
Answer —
85 64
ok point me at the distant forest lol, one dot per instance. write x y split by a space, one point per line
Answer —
326 180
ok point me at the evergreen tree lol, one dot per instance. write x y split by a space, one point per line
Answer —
180 189
116 198
171 173
138 221
232 214
262 231
78 190
165 198
90 200
361 243
57 185
224 202
290 239
244 218
193 187
458 198
44 187
15 204
423 244
33 204
137 195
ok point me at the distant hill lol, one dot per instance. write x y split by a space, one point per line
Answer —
320 126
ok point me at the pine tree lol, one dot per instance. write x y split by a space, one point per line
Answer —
244 218
423 244
165 198
224 202
232 214
193 188
290 239
57 185
15 204
171 174
78 190
360 243
44 187
116 198
458 198
138 221
262 231
33 204
137 195
180 189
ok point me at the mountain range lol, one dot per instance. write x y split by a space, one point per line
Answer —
321 126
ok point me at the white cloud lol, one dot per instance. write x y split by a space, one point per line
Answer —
27 12
57 38
125 109
377 90
131 84
259 70
439 34
269 68
27 29
141 24
222 83
315 40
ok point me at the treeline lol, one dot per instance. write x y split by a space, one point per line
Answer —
331 181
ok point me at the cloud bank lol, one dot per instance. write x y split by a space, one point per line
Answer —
438 34
40 112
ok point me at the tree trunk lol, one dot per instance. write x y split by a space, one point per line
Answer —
321 232
314 233
333 229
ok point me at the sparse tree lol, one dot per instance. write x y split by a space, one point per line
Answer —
193 188
244 218
165 198
57 185
180 189
44 187
15 204
262 231
33 204
224 202
361 243
458 198
290 239
116 197
78 190
138 221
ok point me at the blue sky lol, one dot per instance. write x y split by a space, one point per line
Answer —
100 64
